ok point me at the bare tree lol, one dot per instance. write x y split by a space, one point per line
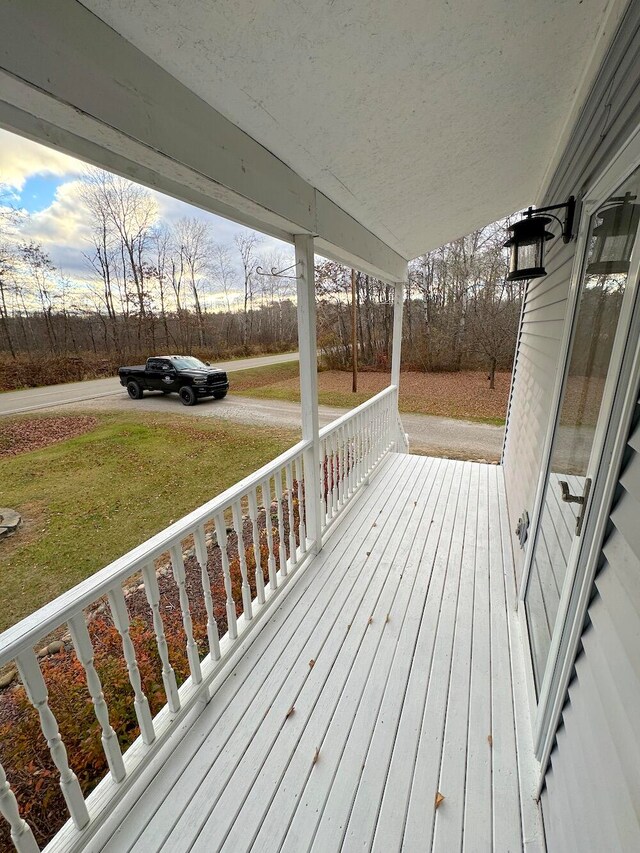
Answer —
246 244
192 239
127 213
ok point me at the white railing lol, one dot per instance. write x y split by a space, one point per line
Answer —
254 537
254 534
353 446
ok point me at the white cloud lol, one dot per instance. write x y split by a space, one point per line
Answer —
20 158
63 227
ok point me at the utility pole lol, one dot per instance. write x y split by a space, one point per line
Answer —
354 334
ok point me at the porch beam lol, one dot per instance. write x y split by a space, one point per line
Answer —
306 298
69 80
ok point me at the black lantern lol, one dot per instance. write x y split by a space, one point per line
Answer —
526 243
614 236
526 246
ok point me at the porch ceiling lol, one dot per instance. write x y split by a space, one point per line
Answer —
422 121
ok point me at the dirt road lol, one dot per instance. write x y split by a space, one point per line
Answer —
32 399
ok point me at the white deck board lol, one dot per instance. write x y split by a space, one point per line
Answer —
407 616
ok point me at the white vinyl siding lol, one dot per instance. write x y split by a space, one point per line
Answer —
591 801
591 797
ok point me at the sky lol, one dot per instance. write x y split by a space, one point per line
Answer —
44 182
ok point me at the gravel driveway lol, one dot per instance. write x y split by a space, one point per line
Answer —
427 433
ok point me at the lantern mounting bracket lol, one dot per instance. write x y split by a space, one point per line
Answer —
570 210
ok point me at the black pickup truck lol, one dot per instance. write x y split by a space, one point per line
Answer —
190 377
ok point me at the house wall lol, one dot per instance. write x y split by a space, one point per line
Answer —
591 797
591 801
610 114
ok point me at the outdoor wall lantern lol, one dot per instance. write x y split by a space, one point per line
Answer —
528 237
613 237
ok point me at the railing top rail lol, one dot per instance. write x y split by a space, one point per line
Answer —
363 407
26 633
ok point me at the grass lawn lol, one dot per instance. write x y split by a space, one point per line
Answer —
90 499
465 395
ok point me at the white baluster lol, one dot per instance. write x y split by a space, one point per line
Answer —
293 548
357 442
84 650
337 470
221 536
324 469
238 523
36 689
255 536
343 468
281 546
21 833
349 457
152 591
202 556
180 578
302 505
140 703
271 562
336 474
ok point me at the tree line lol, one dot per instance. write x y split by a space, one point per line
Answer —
460 312
154 286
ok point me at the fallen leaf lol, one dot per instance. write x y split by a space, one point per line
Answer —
439 799
289 712
312 663
387 619
370 620
316 756
374 524
490 740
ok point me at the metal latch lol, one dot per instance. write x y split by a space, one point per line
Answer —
582 499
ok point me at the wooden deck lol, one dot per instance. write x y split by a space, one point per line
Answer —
390 670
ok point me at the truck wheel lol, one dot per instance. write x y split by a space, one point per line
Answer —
188 396
134 390
219 395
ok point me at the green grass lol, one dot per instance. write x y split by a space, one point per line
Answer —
88 500
252 379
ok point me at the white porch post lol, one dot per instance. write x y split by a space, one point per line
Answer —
398 434
309 382
398 301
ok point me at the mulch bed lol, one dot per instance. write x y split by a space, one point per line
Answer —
26 434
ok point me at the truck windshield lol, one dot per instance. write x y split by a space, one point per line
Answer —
188 362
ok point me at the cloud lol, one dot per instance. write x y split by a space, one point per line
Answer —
20 159
63 227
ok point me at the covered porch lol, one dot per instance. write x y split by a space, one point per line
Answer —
367 688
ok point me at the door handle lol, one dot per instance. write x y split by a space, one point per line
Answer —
582 499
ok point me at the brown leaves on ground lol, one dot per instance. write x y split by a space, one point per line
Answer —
25 434
463 394
453 395
439 800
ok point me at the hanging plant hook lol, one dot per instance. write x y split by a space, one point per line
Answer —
278 273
